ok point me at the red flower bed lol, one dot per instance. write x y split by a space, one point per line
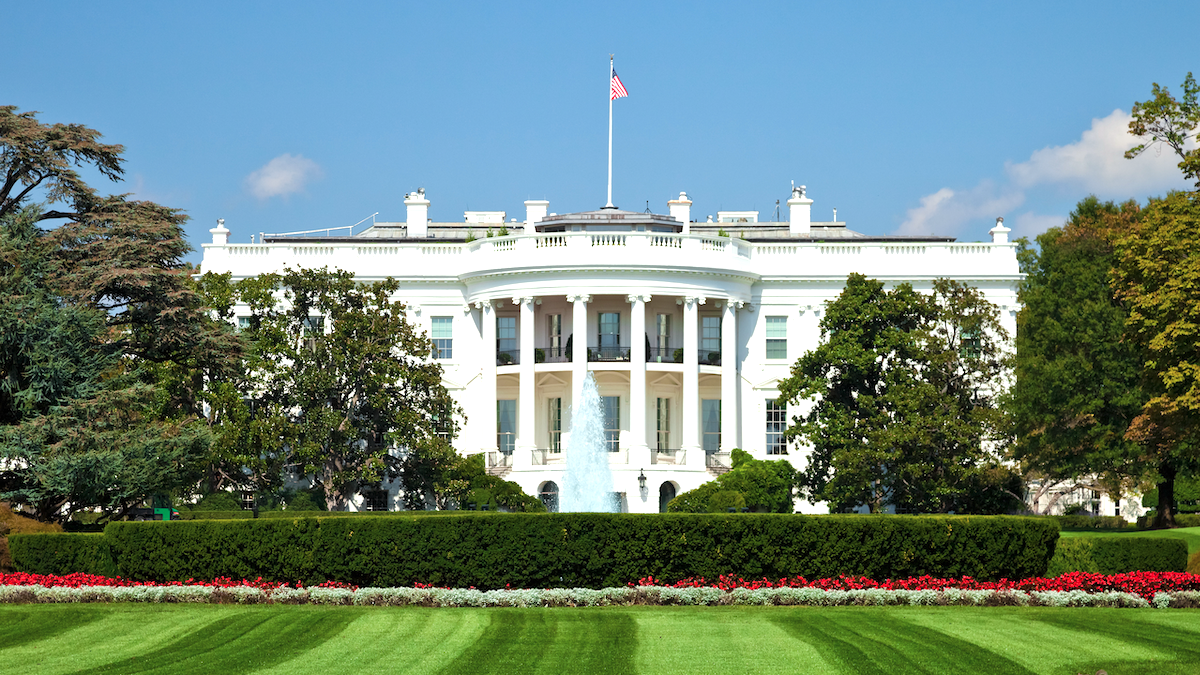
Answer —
78 579
1145 584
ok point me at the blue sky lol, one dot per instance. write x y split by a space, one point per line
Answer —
913 119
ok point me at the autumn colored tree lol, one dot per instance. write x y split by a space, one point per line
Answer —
1157 277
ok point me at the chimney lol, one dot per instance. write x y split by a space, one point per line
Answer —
799 212
999 232
219 233
535 210
418 214
681 210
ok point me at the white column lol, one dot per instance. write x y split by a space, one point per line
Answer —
639 450
730 434
799 212
579 342
487 421
526 404
691 383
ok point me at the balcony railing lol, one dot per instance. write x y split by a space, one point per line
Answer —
717 460
558 354
665 355
544 456
708 357
508 357
498 459
668 456
608 353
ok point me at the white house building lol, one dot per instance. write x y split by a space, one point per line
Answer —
688 327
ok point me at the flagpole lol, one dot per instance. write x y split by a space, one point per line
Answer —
609 205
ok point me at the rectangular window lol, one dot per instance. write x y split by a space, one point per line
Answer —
710 340
506 425
506 340
776 424
664 424
442 333
556 425
611 406
610 335
314 328
776 337
663 334
442 429
710 423
970 346
554 326
375 500
243 323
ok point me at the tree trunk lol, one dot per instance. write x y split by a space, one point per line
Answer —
1165 518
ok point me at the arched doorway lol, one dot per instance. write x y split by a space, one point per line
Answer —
666 492
549 496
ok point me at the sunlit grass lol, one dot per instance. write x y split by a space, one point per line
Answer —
286 639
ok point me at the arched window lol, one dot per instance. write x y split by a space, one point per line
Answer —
666 492
549 496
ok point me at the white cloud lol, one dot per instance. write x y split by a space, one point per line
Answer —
281 176
1095 164
946 211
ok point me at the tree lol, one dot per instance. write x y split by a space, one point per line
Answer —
1077 380
762 486
87 307
351 376
903 387
1163 119
1157 277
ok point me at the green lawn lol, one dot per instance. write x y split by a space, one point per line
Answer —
1189 534
289 639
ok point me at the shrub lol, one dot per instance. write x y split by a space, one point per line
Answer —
61 553
1181 519
1086 522
542 550
13 523
1114 555
218 501
765 486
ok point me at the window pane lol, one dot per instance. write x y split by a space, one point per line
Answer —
776 349
663 425
506 425
777 326
556 425
776 425
442 333
710 421
612 421
442 327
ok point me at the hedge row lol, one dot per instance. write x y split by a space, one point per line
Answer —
62 553
564 550
1081 522
1114 555
1181 520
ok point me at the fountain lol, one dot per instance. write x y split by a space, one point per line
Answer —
587 482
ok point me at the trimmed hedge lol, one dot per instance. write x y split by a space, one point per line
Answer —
488 550
1181 520
249 515
1080 522
62 553
1114 555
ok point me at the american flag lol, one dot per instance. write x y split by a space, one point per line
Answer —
617 89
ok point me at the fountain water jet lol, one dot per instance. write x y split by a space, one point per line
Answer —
587 482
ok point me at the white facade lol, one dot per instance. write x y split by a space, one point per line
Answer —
686 331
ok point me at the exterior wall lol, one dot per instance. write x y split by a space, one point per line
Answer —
528 277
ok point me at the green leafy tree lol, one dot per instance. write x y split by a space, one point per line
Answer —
87 307
1157 277
1077 380
350 374
903 390
1164 119
762 486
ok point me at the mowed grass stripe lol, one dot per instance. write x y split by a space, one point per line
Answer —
1020 634
551 641
882 644
242 641
22 627
410 640
1179 645
698 641
110 632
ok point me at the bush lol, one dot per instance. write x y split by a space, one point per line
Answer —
546 550
765 486
63 553
218 501
1086 522
1114 555
13 523
1181 520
